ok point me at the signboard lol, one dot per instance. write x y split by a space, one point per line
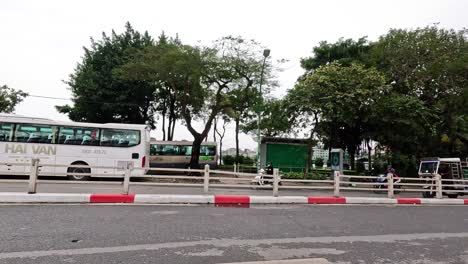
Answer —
336 159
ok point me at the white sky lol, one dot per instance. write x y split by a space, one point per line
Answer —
41 41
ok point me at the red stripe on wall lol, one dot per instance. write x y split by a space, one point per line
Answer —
409 201
112 198
326 200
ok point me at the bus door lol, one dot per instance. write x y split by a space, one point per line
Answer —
124 146
11 152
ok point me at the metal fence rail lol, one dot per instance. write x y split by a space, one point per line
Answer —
206 179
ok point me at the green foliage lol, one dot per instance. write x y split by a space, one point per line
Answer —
252 72
243 160
360 168
203 81
241 168
414 102
9 98
229 160
300 176
428 69
345 52
276 119
343 97
101 96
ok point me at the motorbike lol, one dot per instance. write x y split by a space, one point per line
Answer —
263 179
381 183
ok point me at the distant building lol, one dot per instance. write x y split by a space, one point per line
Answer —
242 152
320 152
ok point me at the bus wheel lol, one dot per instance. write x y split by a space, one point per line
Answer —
77 177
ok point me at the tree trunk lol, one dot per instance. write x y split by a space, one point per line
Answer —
221 137
198 137
220 150
164 124
194 160
174 119
214 129
351 157
237 139
169 134
369 156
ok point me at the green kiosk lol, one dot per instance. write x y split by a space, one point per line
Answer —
287 154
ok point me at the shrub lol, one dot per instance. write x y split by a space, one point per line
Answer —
231 159
228 160
299 175
318 162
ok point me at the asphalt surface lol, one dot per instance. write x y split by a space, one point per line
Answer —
206 234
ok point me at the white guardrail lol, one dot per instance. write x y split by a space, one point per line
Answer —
207 178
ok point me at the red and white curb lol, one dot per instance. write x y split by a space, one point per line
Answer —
220 200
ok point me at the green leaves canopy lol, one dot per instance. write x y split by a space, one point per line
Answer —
9 98
101 96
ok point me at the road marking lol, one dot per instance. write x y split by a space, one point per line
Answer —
233 242
164 212
95 188
286 252
288 261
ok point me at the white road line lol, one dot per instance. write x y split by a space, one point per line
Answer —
289 261
94 188
233 242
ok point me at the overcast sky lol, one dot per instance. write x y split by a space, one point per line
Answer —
41 41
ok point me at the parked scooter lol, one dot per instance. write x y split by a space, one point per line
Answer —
381 183
263 178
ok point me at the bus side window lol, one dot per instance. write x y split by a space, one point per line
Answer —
34 133
153 150
120 137
78 136
6 131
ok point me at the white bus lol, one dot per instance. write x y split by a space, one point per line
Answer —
72 143
177 154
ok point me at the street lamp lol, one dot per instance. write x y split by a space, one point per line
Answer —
266 53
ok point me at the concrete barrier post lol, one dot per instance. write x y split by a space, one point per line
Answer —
391 193
33 176
438 182
336 183
128 174
275 182
206 179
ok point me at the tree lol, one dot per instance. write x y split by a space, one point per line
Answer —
276 120
101 96
428 66
245 57
221 134
197 77
343 98
343 51
422 111
9 98
141 68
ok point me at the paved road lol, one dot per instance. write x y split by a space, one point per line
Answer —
113 186
53 234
